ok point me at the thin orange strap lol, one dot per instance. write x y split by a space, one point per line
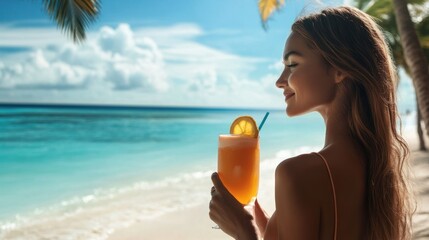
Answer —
333 191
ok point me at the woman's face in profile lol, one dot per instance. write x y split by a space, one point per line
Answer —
307 81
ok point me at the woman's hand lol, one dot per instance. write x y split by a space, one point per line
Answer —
261 218
229 214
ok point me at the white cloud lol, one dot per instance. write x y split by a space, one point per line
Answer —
277 66
112 59
171 34
205 80
161 66
118 40
30 37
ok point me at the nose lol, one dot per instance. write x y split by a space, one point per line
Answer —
282 81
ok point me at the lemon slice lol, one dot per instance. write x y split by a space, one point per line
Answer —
244 125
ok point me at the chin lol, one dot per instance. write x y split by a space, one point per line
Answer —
290 112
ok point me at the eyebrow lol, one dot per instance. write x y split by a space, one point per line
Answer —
286 56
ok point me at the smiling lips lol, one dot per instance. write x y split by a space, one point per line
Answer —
289 95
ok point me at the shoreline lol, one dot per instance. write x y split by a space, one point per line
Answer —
177 207
194 223
71 106
97 215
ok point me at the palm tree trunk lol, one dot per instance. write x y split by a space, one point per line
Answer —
414 57
420 130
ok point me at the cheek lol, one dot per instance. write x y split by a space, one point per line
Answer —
302 82
311 86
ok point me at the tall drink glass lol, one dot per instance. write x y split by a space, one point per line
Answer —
238 165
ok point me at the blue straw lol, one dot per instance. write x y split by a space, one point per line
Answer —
263 120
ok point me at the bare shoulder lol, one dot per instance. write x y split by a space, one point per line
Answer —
303 193
300 162
304 172
297 186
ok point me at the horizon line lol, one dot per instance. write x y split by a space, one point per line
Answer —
136 107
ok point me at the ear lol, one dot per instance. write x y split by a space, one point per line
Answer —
339 76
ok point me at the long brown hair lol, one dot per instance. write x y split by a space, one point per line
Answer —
351 41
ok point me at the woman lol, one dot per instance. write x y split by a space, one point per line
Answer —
337 63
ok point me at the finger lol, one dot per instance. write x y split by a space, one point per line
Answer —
213 191
214 206
257 206
219 185
214 216
214 211
221 189
258 209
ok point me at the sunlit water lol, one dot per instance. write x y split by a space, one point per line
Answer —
83 172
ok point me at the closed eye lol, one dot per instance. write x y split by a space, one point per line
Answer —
291 65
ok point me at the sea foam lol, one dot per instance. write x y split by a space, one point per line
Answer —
97 215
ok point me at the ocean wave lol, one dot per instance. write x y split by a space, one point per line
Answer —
95 216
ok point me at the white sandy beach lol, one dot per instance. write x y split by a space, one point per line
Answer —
193 223
421 217
175 207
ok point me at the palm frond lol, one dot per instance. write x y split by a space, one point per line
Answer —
383 11
423 26
418 2
267 7
424 41
379 8
362 4
73 16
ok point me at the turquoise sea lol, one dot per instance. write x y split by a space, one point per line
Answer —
106 167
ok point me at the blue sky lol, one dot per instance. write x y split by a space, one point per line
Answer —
175 53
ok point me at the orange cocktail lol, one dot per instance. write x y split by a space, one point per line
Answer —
238 165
